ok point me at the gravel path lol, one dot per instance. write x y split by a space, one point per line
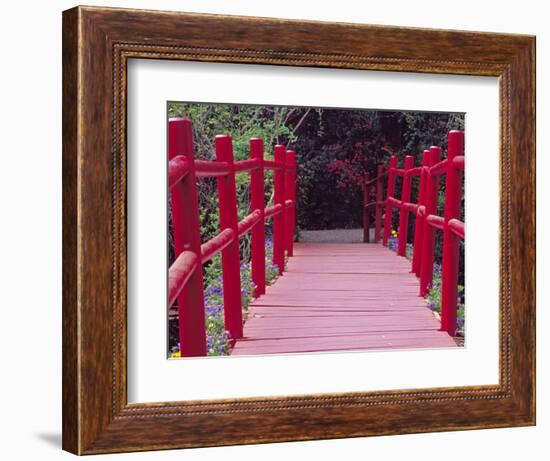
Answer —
332 236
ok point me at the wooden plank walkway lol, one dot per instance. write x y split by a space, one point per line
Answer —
341 297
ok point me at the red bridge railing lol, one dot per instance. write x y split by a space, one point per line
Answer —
185 277
427 221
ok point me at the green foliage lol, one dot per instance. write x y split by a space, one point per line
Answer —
334 147
273 124
271 270
434 300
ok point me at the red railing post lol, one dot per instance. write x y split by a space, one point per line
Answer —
279 218
403 211
428 234
389 194
231 266
290 194
453 188
366 211
185 219
420 215
379 205
257 202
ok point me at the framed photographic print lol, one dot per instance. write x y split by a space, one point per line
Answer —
264 230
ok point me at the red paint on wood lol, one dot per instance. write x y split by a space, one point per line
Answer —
216 244
249 222
403 211
389 195
428 237
273 164
179 273
248 165
271 211
457 227
458 161
312 311
231 266
439 168
290 194
257 203
178 167
279 219
207 169
413 171
436 221
185 219
420 215
379 204
366 212
453 196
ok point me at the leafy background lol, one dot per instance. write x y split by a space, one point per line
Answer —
335 148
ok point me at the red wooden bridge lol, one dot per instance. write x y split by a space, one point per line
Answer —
332 296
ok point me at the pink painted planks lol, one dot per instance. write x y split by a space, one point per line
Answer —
341 297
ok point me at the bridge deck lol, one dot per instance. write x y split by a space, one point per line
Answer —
340 297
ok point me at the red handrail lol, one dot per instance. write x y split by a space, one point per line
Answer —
205 169
185 280
273 210
426 218
247 165
216 244
272 165
247 224
179 274
178 167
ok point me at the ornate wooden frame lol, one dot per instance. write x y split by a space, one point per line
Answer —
97 43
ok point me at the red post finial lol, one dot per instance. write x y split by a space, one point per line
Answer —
180 137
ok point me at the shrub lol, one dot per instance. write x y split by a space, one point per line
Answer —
434 300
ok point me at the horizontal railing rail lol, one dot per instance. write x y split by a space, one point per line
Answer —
185 279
